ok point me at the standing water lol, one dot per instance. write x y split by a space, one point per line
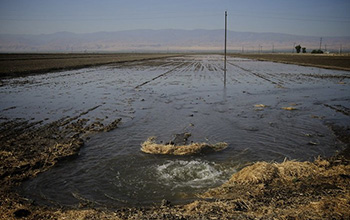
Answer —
267 111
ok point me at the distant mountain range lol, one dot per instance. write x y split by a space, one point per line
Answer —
166 40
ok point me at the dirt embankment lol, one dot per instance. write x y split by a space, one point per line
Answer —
338 62
14 65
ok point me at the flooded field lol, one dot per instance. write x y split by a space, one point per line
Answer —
265 112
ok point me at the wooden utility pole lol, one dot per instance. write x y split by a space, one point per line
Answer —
294 47
340 49
225 47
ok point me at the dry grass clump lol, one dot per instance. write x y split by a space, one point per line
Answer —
288 171
260 106
289 108
263 172
151 147
288 190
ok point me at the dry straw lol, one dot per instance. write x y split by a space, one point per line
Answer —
151 147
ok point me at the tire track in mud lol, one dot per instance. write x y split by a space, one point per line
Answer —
257 75
161 75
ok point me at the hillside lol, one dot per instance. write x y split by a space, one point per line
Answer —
165 40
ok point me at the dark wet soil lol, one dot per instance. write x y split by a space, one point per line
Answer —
17 65
329 61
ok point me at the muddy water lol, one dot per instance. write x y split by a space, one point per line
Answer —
171 96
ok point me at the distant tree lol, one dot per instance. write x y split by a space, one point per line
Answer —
304 50
298 48
316 51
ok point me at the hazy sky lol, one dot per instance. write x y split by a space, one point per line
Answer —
301 17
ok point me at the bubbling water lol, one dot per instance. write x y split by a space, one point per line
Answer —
194 173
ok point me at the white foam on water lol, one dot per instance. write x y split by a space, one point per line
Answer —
194 173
